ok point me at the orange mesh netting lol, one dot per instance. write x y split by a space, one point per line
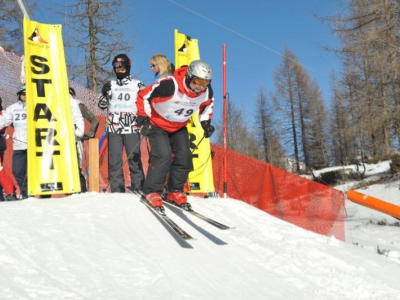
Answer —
300 201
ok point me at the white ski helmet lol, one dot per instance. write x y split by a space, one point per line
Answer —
199 69
21 89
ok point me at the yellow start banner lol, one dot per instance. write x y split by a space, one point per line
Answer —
52 159
201 178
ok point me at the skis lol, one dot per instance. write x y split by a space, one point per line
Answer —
160 213
187 207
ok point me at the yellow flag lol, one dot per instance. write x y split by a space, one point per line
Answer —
186 49
52 158
201 179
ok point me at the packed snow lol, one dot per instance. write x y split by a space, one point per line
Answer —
111 246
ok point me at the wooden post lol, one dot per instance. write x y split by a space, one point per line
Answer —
94 165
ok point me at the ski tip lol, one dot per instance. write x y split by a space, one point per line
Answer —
228 228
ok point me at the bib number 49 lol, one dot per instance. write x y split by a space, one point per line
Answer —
186 113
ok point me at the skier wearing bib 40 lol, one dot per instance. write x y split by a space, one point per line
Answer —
119 97
164 110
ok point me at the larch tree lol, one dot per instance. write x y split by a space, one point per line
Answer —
300 102
341 131
95 33
239 137
11 26
287 105
368 31
266 131
318 154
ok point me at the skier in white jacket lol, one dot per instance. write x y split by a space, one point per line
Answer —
15 114
79 126
79 121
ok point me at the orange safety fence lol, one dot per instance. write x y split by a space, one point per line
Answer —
292 198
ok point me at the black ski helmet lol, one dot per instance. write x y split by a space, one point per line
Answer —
122 60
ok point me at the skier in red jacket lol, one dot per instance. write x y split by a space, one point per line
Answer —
7 188
164 110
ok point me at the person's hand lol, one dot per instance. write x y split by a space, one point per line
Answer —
144 125
85 137
141 120
103 102
208 128
106 89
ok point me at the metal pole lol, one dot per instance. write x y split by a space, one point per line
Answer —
224 117
23 8
25 12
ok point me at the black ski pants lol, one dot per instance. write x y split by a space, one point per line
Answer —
19 169
116 142
170 152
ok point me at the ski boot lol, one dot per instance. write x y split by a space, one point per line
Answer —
10 197
178 198
154 199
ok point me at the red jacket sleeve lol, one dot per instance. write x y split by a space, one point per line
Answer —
162 89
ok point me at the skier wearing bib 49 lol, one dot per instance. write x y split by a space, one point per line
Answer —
164 110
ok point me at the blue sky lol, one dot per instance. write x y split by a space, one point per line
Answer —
255 33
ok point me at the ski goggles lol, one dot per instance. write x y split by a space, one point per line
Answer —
119 64
200 81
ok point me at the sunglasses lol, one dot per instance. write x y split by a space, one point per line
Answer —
119 64
153 65
200 81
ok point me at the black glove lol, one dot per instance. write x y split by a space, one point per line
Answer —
145 126
106 88
85 137
103 102
208 128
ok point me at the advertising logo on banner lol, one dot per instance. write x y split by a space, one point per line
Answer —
52 158
201 177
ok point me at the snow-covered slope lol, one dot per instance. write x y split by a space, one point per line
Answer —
110 246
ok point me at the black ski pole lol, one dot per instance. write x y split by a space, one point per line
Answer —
18 140
197 146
